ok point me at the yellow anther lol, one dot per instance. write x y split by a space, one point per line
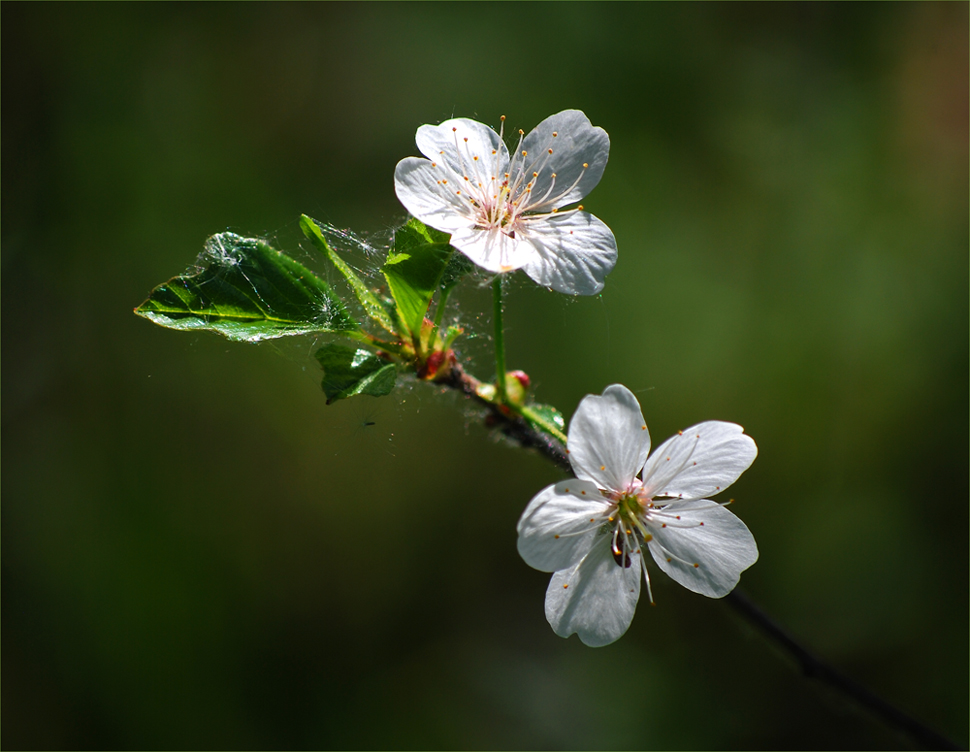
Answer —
554 134
521 132
579 208
585 165
550 151
525 153
502 118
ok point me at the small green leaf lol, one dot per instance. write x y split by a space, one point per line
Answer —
370 302
247 291
413 271
348 371
547 419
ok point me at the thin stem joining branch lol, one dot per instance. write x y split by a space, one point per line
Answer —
499 339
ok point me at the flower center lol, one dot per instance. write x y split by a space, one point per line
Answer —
502 196
629 532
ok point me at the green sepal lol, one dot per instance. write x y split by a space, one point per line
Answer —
370 302
413 271
450 336
247 291
349 371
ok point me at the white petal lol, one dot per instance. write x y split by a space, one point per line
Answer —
493 250
689 467
608 439
446 144
560 524
417 187
723 547
574 251
594 599
577 142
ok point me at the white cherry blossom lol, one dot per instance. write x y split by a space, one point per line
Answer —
590 531
507 212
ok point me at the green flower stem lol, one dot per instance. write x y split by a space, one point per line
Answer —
499 340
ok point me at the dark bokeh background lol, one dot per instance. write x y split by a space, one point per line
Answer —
197 552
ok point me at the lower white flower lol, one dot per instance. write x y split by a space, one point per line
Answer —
590 531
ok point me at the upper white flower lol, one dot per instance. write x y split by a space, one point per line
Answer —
590 530
504 212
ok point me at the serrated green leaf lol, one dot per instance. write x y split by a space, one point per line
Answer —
413 272
247 291
430 234
458 266
349 371
370 302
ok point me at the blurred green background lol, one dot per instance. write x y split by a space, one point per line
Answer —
198 552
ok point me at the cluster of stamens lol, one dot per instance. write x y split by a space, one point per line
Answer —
501 196
630 523
628 519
